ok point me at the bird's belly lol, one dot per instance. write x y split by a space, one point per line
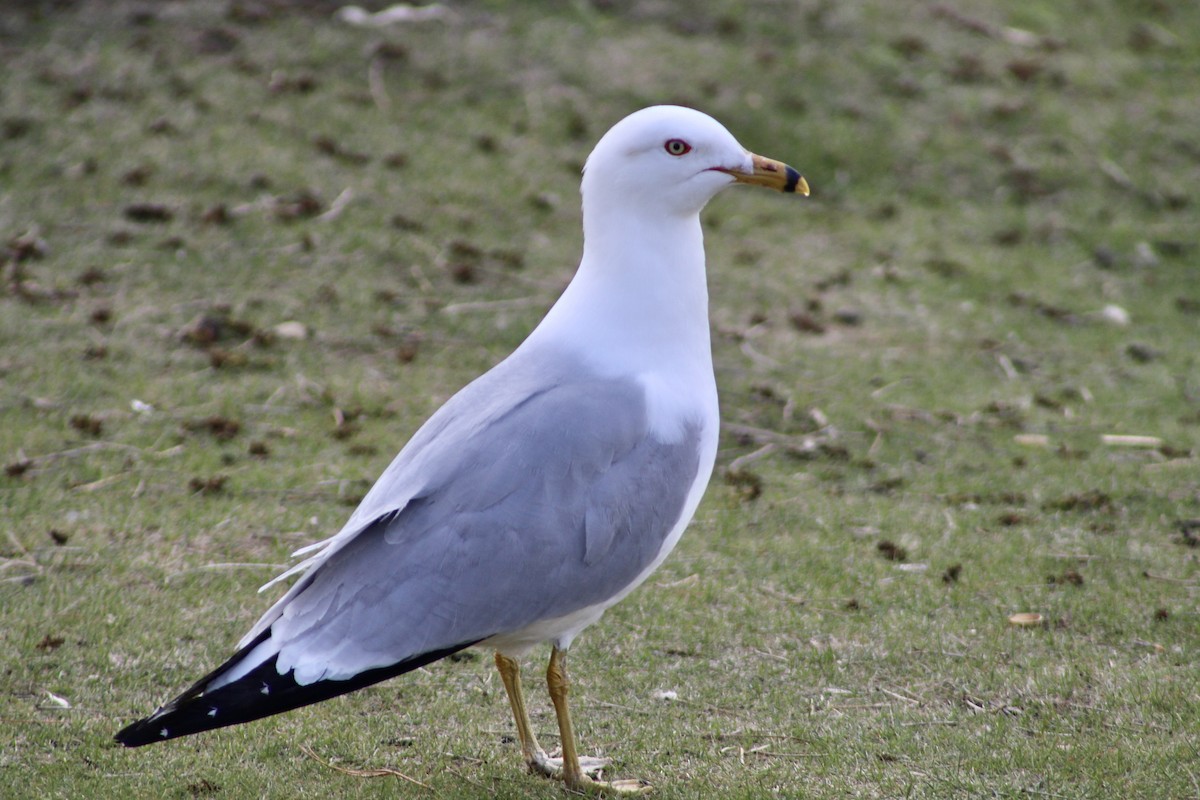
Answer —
562 630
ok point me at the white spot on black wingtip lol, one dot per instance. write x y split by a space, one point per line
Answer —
212 712
163 733
266 689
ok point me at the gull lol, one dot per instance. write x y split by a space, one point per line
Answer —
540 494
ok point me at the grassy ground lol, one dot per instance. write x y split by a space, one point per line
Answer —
918 364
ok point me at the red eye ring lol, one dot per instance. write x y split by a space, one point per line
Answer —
677 147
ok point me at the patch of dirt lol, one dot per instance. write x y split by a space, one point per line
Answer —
748 485
891 551
1093 500
221 428
1069 576
50 643
1188 532
214 484
88 424
148 212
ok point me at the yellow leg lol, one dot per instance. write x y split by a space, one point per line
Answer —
510 674
559 685
573 773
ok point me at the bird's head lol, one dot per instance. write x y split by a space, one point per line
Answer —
673 160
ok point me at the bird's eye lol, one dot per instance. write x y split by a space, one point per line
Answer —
677 147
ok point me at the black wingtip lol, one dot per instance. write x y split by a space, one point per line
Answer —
138 733
260 693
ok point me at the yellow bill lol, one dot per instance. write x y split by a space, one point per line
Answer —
772 174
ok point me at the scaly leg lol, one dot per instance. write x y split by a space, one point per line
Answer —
535 757
574 773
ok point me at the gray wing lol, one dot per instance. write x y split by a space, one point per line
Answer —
554 505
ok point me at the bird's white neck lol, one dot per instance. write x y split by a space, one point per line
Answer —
639 302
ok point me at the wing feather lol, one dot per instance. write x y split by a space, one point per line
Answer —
553 505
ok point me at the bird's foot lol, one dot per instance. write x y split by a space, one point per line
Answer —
552 766
588 783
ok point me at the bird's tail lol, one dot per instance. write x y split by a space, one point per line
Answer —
261 692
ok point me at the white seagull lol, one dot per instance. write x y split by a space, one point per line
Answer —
544 491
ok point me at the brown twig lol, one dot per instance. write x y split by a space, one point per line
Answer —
741 461
84 450
764 436
780 595
1153 577
772 754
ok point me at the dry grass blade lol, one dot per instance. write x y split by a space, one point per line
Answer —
379 772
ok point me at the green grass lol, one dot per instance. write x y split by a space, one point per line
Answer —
977 203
